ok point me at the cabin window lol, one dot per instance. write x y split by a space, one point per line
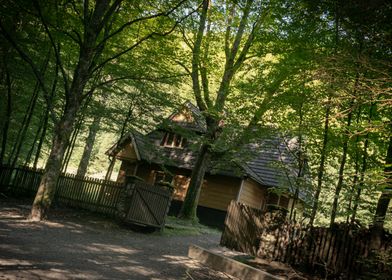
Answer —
173 140
278 200
160 176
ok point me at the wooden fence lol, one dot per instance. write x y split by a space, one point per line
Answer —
82 192
338 252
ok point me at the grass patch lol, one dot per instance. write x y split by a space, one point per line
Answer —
176 226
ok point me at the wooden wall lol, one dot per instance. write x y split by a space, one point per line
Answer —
128 152
253 194
218 191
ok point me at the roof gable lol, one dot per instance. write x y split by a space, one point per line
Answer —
187 117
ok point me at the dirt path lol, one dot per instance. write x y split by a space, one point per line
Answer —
78 245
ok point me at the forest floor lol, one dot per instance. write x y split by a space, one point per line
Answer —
80 245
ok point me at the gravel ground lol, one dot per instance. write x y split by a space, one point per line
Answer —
79 245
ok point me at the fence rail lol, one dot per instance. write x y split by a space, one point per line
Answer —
335 251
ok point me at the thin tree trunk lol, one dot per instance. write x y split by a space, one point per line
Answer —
363 168
300 160
361 179
339 184
189 206
88 148
25 124
112 160
46 117
28 116
320 172
356 172
71 146
74 136
37 135
42 138
355 182
7 114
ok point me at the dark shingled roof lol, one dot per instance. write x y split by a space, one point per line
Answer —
272 158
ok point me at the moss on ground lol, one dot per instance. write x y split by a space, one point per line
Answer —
176 226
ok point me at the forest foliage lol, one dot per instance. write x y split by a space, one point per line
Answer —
317 70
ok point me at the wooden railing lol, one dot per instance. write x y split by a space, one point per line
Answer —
341 251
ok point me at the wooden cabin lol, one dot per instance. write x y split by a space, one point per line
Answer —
169 152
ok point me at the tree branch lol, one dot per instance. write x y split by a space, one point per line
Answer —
228 30
129 23
25 57
242 57
140 41
196 57
203 66
184 66
56 50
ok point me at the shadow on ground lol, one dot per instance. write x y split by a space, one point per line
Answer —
79 245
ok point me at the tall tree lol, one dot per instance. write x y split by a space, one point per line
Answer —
242 22
102 23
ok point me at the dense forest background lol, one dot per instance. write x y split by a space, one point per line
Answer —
317 70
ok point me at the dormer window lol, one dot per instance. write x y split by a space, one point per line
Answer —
173 140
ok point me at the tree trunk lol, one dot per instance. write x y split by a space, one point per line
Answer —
28 116
42 138
355 180
25 125
47 187
7 115
37 135
363 168
320 172
71 146
300 161
112 160
110 168
386 195
189 206
88 148
339 184
74 136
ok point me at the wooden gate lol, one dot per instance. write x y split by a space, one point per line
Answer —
144 204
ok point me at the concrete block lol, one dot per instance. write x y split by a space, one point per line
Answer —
227 265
